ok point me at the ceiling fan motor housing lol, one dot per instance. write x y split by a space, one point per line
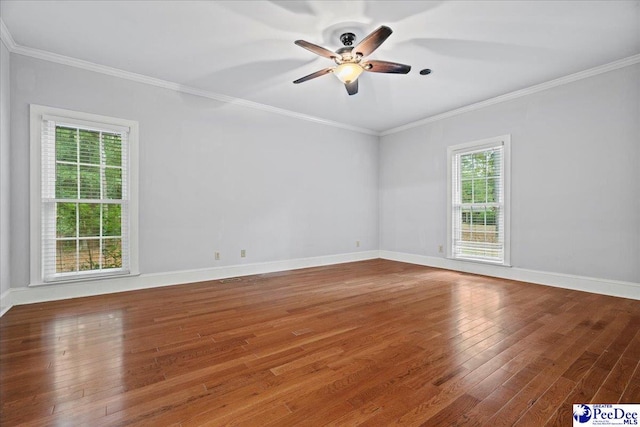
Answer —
345 54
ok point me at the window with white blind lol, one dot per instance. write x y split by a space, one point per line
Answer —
478 228
84 206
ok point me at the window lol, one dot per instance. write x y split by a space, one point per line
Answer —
84 210
478 201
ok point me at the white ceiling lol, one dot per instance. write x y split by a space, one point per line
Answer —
244 49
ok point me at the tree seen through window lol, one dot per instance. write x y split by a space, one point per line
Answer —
88 193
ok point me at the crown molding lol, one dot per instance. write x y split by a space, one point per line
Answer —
13 47
625 62
140 78
6 38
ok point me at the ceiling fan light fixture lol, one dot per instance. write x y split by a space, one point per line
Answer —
348 72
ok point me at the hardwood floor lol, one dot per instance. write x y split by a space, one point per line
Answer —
372 343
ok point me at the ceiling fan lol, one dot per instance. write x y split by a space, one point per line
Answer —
350 60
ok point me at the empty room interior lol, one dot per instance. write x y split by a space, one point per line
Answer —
275 213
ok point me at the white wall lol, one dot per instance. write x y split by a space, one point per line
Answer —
4 173
213 176
220 177
575 178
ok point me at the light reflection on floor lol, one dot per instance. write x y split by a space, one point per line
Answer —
76 342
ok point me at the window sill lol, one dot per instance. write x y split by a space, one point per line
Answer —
482 262
81 279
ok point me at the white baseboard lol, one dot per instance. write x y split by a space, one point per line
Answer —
580 283
29 295
43 293
5 302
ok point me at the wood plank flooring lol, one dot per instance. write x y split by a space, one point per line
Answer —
367 343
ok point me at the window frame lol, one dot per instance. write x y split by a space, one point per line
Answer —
37 115
473 146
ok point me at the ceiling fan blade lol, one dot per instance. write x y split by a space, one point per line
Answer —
372 41
318 50
314 75
386 67
352 88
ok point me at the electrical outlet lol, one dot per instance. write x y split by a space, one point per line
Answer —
357 243
440 249
217 256
243 253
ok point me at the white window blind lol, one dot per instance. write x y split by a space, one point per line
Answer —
478 209
85 199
